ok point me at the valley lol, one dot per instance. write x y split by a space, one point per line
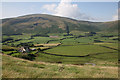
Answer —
54 44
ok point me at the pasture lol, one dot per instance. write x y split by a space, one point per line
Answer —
78 49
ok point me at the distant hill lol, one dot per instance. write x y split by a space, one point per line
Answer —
42 23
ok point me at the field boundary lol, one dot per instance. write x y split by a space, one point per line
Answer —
73 56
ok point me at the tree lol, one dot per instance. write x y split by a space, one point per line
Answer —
39 49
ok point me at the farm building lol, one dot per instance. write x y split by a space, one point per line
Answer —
53 36
24 49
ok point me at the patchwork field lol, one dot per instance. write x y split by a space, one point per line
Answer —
93 54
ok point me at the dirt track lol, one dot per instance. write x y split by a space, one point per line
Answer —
46 63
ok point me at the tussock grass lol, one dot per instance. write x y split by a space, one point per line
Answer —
20 68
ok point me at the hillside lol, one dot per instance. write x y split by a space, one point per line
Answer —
108 26
19 68
42 23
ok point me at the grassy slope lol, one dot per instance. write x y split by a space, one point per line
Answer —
20 68
41 23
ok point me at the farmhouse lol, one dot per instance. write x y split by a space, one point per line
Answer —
24 49
53 36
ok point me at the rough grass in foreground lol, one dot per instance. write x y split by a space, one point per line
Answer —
19 68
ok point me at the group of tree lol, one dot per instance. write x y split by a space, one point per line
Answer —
40 35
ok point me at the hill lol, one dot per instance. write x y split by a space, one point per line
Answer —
42 23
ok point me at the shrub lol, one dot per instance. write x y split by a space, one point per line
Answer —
27 56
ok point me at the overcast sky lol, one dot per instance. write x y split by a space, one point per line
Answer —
89 11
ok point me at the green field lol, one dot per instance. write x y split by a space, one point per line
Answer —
83 51
79 50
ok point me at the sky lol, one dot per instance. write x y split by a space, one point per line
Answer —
88 11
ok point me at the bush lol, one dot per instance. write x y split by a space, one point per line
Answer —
6 39
42 35
97 41
27 56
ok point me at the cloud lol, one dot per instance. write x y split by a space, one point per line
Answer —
66 9
50 7
116 16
